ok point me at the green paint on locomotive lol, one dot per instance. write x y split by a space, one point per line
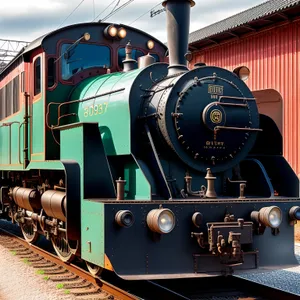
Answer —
111 111
73 147
113 115
11 141
12 137
37 130
92 232
137 187
114 104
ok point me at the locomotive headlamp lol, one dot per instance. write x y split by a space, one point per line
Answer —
111 31
124 218
122 33
242 72
161 220
86 36
268 216
150 44
294 213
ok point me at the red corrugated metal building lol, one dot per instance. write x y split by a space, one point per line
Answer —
266 39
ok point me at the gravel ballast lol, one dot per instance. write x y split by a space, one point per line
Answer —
19 281
286 279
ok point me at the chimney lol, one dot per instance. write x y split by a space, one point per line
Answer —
129 63
178 27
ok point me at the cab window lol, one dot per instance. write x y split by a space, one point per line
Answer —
51 72
37 76
155 56
135 55
79 57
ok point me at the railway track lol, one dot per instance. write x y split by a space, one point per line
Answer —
68 277
75 280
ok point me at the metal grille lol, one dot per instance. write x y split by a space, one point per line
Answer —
8 50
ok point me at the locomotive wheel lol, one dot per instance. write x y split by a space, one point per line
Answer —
62 247
94 269
29 234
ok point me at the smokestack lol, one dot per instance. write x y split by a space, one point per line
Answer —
178 27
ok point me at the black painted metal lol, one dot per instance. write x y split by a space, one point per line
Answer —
95 162
26 132
157 161
178 255
186 120
72 178
178 25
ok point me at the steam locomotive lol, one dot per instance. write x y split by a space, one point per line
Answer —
139 166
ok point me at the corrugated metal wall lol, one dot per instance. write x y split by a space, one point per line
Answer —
273 57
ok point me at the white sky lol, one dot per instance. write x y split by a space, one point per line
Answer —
29 19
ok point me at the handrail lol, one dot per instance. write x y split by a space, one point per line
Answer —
71 102
237 128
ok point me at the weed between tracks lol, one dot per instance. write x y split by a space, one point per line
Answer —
63 279
26 261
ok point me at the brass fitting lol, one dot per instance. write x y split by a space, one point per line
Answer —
210 193
120 189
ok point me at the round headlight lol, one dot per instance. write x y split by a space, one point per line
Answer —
111 31
150 44
86 36
242 72
161 220
122 33
124 218
294 213
270 216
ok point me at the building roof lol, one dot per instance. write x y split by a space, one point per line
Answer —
265 14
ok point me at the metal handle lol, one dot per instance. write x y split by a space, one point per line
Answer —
236 128
232 104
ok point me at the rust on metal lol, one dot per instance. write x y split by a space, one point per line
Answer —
26 198
210 193
242 191
120 189
200 238
54 204
234 239
107 263
201 193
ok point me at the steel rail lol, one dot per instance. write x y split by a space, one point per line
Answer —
106 286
